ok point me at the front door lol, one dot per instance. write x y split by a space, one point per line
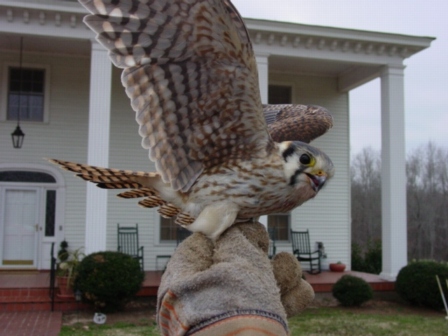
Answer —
20 227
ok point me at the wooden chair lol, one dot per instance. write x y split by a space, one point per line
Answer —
127 241
301 248
272 232
272 249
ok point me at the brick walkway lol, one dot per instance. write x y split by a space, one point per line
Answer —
38 323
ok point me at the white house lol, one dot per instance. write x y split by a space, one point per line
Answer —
73 107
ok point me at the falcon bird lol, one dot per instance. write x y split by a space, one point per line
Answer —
220 155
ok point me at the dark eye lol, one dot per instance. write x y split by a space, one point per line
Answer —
305 159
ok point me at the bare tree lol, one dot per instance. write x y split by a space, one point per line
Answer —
427 171
427 200
366 197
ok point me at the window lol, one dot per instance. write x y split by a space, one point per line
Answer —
279 94
25 176
26 93
50 213
168 229
279 224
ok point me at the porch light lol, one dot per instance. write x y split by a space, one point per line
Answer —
18 136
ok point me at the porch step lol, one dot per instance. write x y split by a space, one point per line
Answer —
34 299
38 299
28 292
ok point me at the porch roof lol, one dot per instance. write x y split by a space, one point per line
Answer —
353 56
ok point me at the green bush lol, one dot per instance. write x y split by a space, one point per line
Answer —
352 291
108 280
371 261
357 258
416 283
373 258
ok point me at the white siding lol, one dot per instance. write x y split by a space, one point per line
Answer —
126 152
328 215
63 137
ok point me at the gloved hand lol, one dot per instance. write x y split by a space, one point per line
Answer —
228 286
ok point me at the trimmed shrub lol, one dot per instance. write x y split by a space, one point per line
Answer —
416 283
357 258
370 261
108 280
373 258
352 291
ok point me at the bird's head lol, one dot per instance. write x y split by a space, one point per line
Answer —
306 165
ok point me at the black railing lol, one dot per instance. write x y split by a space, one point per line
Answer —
52 277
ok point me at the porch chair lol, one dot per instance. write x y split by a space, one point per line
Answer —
272 249
301 248
127 241
53 267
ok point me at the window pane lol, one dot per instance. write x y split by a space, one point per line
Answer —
14 85
50 212
39 76
25 176
37 87
26 93
26 86
278 226
167 229
278 94
27 75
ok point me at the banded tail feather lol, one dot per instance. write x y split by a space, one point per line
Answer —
107 178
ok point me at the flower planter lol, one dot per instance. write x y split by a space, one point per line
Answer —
65 289
337 267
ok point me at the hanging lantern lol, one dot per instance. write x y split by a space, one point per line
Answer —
18 136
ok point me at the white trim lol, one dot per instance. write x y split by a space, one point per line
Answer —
62 6
417 43
393 173
98 146
263 75
59 186
156 236
5 90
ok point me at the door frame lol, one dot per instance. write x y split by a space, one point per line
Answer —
43 248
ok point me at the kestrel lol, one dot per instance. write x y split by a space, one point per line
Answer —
220 155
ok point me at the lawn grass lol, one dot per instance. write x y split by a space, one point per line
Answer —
116 329
313 321
340 321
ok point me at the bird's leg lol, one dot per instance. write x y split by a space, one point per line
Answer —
215 219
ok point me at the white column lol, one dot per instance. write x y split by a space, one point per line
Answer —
393 172
98 146
263 76
263 82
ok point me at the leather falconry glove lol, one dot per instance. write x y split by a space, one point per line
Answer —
230 286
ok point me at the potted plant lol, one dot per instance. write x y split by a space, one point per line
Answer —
67 269
337 267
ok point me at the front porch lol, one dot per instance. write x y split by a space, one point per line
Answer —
29 291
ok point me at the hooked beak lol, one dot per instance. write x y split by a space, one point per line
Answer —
317 181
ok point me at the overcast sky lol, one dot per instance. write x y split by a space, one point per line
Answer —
426 73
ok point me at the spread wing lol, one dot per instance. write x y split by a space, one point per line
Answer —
297 122
191 76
